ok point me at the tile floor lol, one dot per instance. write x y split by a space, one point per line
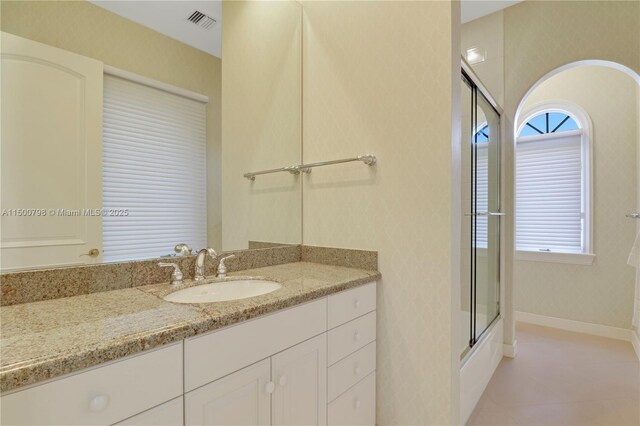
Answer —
563 378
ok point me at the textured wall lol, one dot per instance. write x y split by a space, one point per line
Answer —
261 122
601 293
378 78
539 37
89 30
487 33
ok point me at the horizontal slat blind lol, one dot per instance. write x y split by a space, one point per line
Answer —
549 213
482 193
154 149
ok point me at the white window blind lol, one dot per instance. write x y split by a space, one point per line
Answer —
154 149
482 194
549 193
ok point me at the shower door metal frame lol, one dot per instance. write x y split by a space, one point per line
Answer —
476 86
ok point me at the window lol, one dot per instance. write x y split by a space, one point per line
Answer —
154 150
553 186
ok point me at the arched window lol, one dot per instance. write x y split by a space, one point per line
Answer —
553 214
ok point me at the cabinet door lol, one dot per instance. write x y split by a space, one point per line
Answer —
167 414
51 155
241 398
300 377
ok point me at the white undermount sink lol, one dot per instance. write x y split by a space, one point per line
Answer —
223 291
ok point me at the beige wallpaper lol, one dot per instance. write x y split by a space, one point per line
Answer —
487 34
261 121
86 29
378 78
603 292
540 37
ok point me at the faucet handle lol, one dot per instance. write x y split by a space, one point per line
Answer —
176 275
222 268
182 249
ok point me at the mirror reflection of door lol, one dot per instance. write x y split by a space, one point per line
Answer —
51 156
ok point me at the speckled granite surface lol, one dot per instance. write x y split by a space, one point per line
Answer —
47 284
363 259
50 338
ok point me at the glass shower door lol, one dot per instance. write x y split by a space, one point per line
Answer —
485 215
480 289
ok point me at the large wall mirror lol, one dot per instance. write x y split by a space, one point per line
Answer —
128 126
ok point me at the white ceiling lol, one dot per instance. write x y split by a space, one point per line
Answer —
170 19
474 9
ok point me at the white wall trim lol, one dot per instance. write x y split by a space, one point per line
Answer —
556 257
510 350
577 326
141 79
635 341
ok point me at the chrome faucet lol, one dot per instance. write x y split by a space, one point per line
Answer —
222 268
202 254
176 275
183 249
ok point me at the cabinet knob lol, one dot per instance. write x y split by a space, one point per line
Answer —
356 336
356 403
99 403
357 371
282 381
270 387
356 304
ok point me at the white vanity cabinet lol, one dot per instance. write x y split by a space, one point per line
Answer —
168 414
241 398
101 396
286 389
312 364
352 357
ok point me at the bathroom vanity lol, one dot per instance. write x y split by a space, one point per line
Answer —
309 359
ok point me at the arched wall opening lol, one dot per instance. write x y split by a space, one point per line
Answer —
602 292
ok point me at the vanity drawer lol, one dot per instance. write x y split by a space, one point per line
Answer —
104 395
357 406
350 304
221 352
349 371
167 414
350 337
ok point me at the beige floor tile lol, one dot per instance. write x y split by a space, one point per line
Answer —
563 378
624 412
496 417
575 413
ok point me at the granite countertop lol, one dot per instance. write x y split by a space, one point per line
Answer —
46 339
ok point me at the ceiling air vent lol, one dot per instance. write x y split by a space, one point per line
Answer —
201 20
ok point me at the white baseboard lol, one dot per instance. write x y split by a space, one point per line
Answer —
577 326
635 341
510 350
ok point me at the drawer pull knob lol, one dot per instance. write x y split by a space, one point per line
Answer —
356 403
270 387
282 381
356 304
356 336
99 403
357 371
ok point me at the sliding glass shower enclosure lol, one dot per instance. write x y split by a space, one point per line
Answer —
480 275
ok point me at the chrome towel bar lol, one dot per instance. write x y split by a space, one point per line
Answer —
633 216
367 159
